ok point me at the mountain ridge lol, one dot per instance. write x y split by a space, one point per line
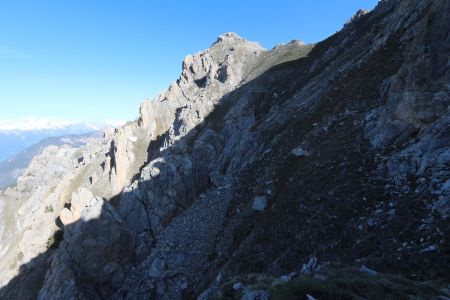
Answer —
15 136
39 124
13 168
261 162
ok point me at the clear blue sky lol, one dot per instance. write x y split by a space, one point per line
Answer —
98 60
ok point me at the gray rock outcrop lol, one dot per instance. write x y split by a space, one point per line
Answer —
254 161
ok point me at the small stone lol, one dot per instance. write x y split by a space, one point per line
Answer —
298 151
259 203
310 266
368 271
430 248
237 286
256 295
109 268
446 185
133 139
157 268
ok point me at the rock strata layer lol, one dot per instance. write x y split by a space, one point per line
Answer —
255 161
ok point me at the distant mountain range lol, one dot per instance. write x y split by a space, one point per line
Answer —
43 124
21 140
15 136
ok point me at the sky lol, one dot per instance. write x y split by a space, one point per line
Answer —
96 61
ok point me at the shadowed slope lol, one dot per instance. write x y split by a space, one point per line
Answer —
311 158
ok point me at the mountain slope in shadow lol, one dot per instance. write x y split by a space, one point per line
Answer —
252 167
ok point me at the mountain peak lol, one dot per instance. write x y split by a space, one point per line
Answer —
252 165
231 38
228 36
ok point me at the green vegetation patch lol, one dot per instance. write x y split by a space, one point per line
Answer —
334 283
54 241
48 209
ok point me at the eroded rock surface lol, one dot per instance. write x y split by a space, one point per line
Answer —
253 161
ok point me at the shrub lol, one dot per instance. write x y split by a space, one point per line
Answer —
54 241
48 209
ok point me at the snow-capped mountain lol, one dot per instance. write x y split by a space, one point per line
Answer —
44 124
16 135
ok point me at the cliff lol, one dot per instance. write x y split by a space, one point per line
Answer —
257 162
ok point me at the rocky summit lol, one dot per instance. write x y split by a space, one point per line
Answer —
309 171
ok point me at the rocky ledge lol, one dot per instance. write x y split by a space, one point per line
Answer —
258 162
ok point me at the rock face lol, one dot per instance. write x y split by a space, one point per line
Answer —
254 161
28 210
14 167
